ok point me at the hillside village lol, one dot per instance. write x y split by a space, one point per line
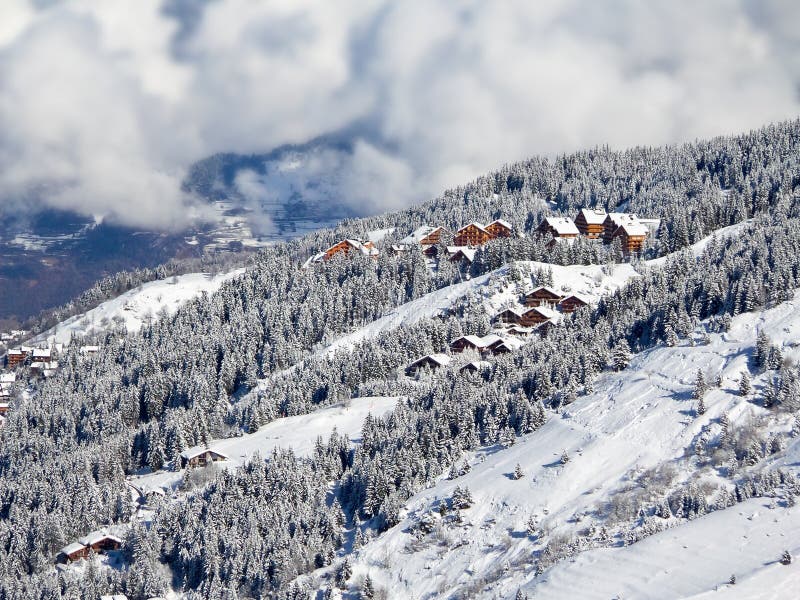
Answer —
430 411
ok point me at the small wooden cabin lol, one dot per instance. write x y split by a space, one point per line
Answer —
543 296
590 222
558 227
475 366
200 457
473 234
572 303
72 552
537 315
499 228
430 361
509 316
461 254
473 342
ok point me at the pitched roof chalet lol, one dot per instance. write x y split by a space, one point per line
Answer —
562 225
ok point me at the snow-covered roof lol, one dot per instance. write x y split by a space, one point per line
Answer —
632 228
549 290
593 216
562 225
545 311
577 297
480 341
4 405
440 359
416 236
72 548
480 226
501 222
15 351
519 330
191 453
8 377
41 353
98 536
89 349
465 251
509 342
516 311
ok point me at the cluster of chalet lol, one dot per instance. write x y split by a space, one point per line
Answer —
543 309
465 241
99 542
344 248
596 224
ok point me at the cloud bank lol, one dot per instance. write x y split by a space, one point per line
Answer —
104 105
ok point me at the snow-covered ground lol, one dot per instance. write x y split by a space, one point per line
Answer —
496 291
638 419
135 307
298 433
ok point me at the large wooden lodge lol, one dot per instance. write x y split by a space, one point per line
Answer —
596 224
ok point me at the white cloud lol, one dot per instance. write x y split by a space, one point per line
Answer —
104 106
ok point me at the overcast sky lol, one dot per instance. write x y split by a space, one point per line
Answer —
105 103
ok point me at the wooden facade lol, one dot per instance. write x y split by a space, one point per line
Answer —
201 458
632 237
473 234
462 255
346 246
499 229
16 357
590 222
536 316
434 237
510 316
430 362
73 552
571 304
543 296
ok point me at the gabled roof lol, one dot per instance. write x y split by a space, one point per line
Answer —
562 225
478 365
466 252
474 224
72 548
420 233
515 311
632 228
501 222
509 342
440 359
593 216
577 297
191 453
98 536
546 312
544 288
479 341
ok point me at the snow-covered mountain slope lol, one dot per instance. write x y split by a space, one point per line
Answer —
495 290
298 433
135 307
630 442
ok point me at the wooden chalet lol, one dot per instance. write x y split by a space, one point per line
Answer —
543 296
499 228
538 315
16 356
519 330
473 342
613 222
505 345
632 235
101 541
345 247
590 222
430 362
425 235
72 552
572 303
473 235
461 254
4 406
200 456
558 227
475 366
509 316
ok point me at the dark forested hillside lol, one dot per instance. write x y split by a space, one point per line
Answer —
68 444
